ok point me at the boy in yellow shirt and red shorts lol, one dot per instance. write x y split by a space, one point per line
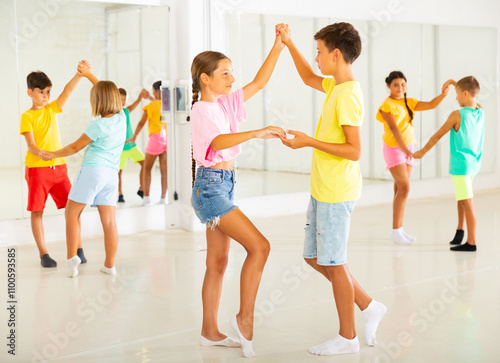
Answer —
40 129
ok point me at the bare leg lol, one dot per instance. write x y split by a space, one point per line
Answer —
148 165
343 291
38 232
361 298
141 175
73 227
217 256
120 183
470 217
107 214
163 171
401 175
237 226
461 215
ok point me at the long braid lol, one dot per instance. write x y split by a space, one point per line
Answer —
410 112
196 92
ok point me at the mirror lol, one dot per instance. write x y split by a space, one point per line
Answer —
126 44
427 54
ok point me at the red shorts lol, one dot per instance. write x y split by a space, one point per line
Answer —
47 180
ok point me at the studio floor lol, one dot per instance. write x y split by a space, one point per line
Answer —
443 306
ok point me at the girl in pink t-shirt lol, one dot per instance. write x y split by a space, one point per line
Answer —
216 142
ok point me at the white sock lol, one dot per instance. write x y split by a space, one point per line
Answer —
73 264
109 271
372 315
409 237
246 345
398 236
337 345
146 200
162 201
228 342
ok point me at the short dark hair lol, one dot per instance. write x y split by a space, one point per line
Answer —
469 84
38 80
157 85
122 91
341 36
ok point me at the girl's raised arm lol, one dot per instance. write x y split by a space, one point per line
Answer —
265 71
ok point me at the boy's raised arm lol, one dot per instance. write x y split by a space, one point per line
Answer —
304 69
265 71
453 120
68 90
132 106
85 70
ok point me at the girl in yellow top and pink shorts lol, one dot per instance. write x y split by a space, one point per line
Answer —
396 113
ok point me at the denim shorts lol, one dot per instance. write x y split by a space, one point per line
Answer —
327 232
212 195
95 185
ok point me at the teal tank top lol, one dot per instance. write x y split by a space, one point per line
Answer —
466 144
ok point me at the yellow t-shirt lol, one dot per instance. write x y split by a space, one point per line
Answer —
335 179
397 108
155 124
43 124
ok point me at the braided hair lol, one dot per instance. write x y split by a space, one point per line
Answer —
395 75
205 62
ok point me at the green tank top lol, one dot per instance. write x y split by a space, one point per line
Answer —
466 144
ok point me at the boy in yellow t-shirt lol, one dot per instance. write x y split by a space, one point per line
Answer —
39 128
335 178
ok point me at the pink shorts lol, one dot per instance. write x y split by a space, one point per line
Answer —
157 143
394 156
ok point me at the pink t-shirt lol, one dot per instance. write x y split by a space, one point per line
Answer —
211 119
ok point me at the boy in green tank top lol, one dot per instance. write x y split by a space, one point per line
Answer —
466 128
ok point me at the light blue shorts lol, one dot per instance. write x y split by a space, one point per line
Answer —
95 185
327 232
212 195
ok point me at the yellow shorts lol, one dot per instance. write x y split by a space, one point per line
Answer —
133 154
463 186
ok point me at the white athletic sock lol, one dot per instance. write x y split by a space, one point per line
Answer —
109 271
228 342
73 264
146 200
246 345
398 236
411 238
162 201
372 315
337 345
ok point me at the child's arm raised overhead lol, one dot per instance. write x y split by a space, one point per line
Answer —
136 103
85 70
304 69
265 71
423 106
453 122
71 149
350 150
391 122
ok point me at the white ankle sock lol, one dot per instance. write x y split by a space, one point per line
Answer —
109 271
228 342
398 236
409 237
337 345
372 315
146 200
246 345
73 264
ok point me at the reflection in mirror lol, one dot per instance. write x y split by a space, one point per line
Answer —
125 44
427 54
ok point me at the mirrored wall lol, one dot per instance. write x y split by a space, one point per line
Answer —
126 44
427 54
